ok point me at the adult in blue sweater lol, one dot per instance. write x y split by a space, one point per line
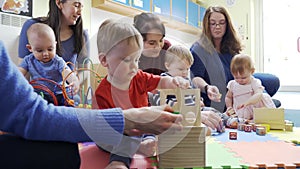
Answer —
41 135
213 53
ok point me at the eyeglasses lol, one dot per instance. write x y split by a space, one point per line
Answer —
214 24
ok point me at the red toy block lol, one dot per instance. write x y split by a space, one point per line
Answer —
248 128
232 135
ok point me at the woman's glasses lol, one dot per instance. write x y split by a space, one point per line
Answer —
215 24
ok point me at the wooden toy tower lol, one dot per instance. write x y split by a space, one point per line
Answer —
184 149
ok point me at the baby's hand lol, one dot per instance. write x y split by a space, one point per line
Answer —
181 82
230 111
75 86
147 147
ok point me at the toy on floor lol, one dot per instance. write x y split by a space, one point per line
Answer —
272 116
233 135
261 131
183 149
288 125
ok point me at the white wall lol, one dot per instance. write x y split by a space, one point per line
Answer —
9 36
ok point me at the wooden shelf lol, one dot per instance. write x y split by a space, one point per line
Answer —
121 9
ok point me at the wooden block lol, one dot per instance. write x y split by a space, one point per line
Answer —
261 131
248 128
272 116
288 127
184 149
232 135
267 126
191 114
241 127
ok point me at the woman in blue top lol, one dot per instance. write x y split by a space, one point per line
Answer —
64 17
213 53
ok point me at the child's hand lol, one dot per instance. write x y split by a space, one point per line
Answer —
75 86
230 111
116 164
147 147
202 103
181 82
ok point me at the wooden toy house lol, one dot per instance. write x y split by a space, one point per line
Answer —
184 149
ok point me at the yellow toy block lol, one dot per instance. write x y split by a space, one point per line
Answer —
272 116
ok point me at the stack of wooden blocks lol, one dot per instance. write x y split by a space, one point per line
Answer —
185 149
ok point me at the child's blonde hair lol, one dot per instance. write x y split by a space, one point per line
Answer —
111 33
39 30
180 52
240 63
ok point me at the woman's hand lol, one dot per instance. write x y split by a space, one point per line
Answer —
213 93
212 120
154 120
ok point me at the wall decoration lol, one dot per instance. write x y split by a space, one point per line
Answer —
18 7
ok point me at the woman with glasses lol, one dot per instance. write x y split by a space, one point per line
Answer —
213 53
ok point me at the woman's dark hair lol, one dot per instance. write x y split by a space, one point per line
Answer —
145 22
54 21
